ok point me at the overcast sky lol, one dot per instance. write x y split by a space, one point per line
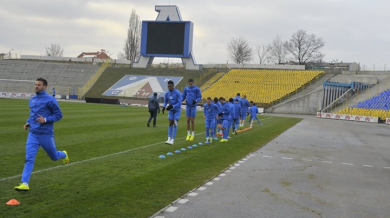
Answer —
353 30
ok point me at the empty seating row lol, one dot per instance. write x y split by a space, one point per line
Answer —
261 86
65 77
377 106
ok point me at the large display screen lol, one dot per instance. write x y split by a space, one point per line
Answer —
166 38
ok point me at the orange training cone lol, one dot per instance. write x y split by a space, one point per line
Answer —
13 202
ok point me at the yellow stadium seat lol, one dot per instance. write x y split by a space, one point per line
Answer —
261 86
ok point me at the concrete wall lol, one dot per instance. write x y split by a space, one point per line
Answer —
367 77
310 103
342 78
307 104
376 73
65 59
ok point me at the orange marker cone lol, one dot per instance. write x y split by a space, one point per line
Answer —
13 202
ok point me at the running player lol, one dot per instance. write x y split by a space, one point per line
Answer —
232 114
224 115
237 115
44 111
172 103
192 95
244 109
218 123
253 112
209 114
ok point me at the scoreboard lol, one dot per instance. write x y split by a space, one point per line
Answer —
166 39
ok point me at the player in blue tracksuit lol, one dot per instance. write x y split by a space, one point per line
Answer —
192 95
244 109
253 114
232 114
209 114
224 115
44 111
237 97
218 122
237 114
172 103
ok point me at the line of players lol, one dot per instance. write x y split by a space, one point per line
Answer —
221 114
224 115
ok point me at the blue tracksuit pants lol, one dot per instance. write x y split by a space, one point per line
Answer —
32 146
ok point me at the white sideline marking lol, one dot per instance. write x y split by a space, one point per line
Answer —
368 166
386 167
91 159
267 156
244 159
241 161
209 183
217 178
267 118
324 161
349 164
306 160
202 188
171 209
228 171
236 165
287 158
193 194
183 201
222 174
232 168
159 217
101 157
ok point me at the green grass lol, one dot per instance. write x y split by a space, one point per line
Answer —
135 183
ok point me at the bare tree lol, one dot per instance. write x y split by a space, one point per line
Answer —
54 50
263 52
305 48
131 49
278 52
239 50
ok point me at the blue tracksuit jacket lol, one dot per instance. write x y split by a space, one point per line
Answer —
174 99
45 105
237 97
244 104
219 105
190 94
232 111
254 110
225 111
237 110
210 111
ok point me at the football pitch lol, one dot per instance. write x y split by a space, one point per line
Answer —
114 169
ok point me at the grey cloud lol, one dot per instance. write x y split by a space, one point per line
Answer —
352 30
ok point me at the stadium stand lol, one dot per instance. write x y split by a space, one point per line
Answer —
212 80
261 86
67 78
112 74
377 106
